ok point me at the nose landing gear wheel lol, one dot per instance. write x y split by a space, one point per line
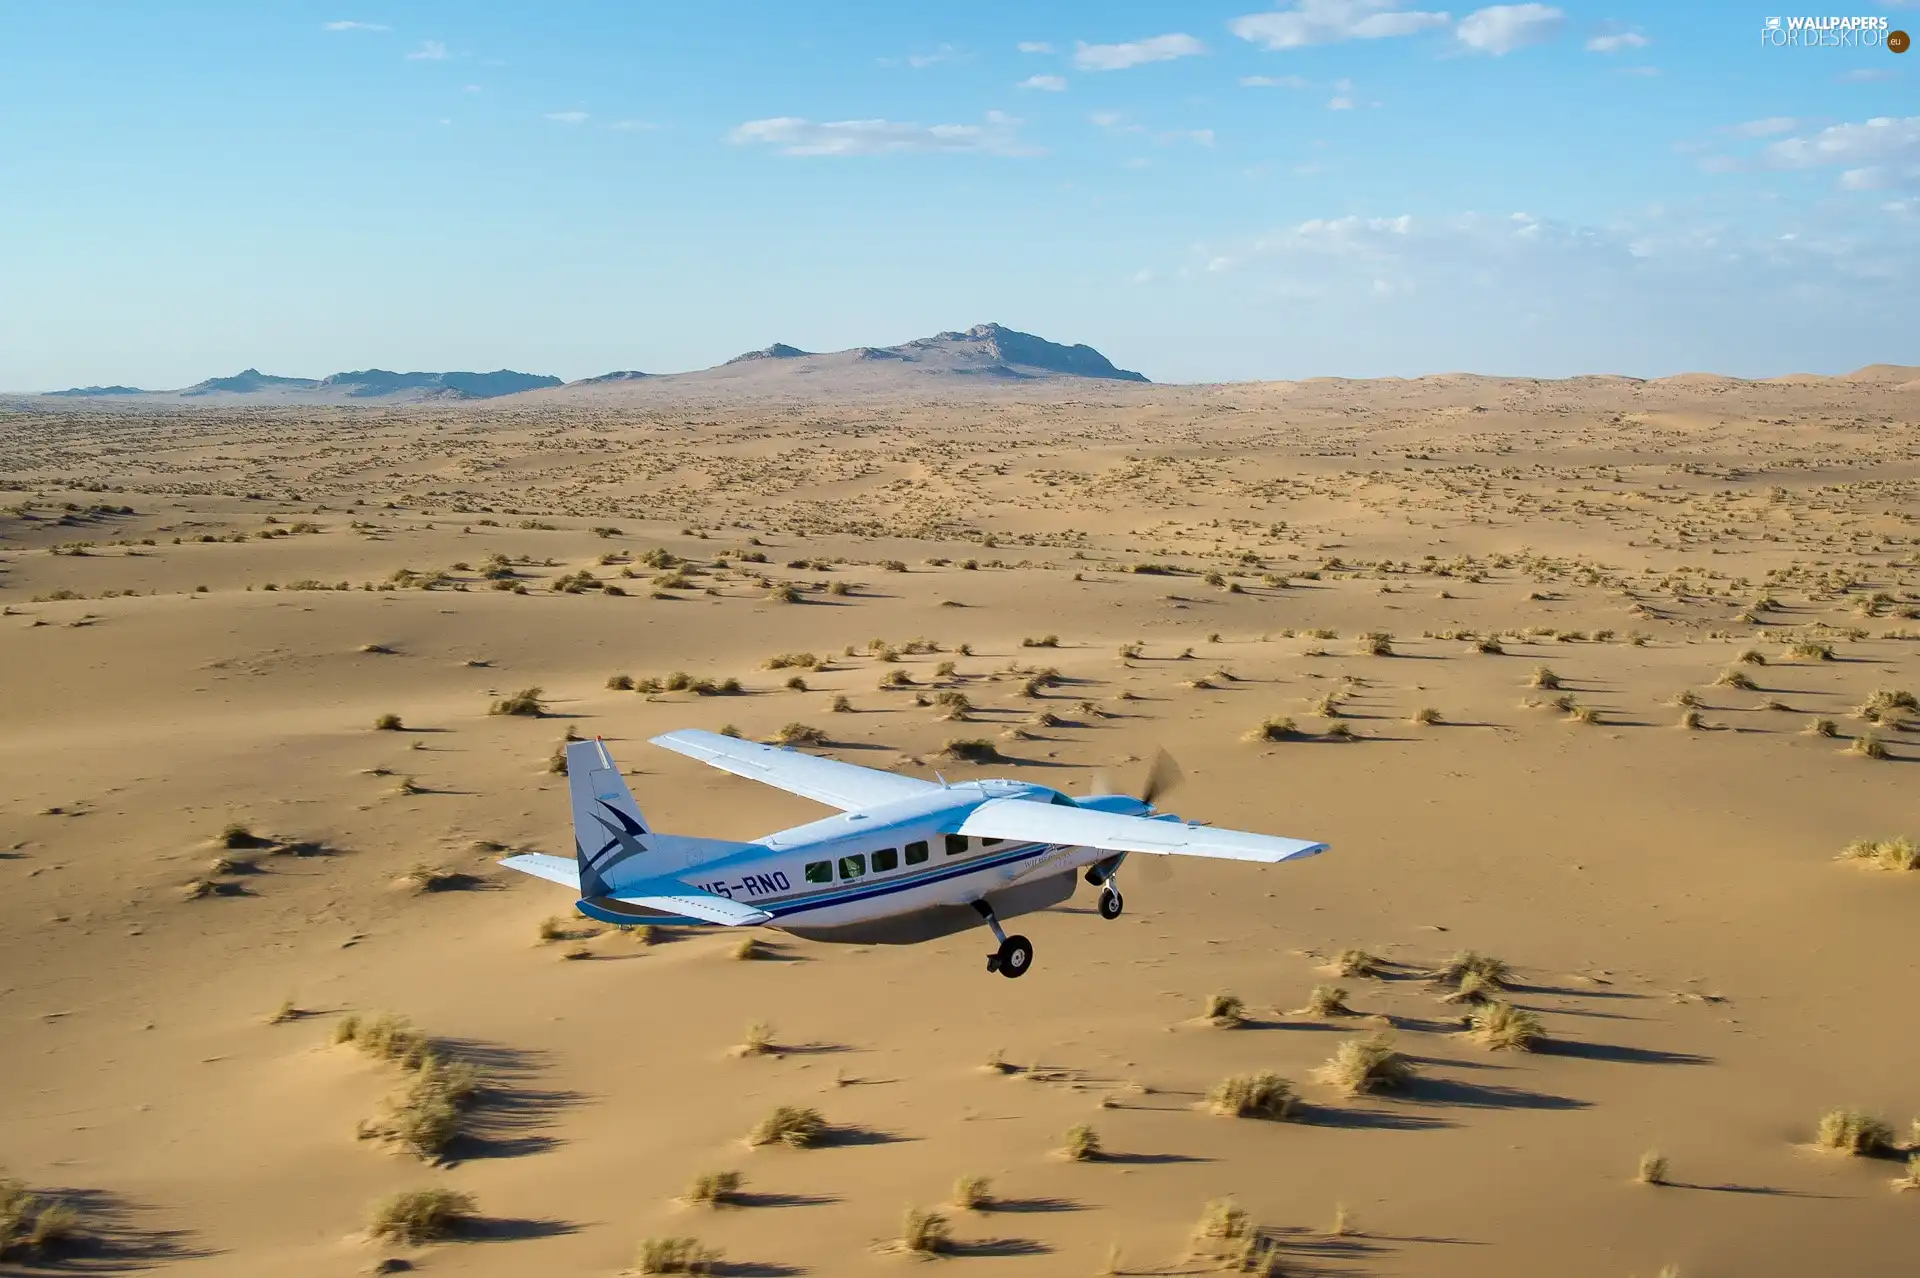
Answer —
1013 958
1111 904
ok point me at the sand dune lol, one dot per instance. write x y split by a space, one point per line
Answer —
207 612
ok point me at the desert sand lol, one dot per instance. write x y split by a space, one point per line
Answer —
207 611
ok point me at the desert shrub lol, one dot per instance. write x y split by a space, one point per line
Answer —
1376 643
789 1125
1352 963
1686 698
1262 1095
747 948
1868 745
620 683
1083 1144
973 1193
1339 732
970 749
1040 641
925 1233
1222 1220
1488 646
1489 969
1690 719
759 1040
28 1223
1503 1027
799 734
1273 728
526 703
675 1256
1822 728
1734 677
385 1037
712 1189
1327 1000
1888 854
1544 677
1225 1010
1425 715
387 723
1811 651
417 1216
1848 1131
1367 1064
1886 705
1652 1169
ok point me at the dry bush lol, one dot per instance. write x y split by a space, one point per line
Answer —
747 949
1503 1027
1041 641
1222 1220
1262 1095
925 1233
1274 728
675 1256
1751 658
417 1216
1225 1010
28 1224
387 723
385 1037
1083 1144
1340 732
1544 678
1326 1000
1822 728
714 1189
1690 719
1356 963
1582 714
1886 705
973 1193
1868 745
1888 854
526 703
797 733
1652 1169
840 705
970 750
1687 698
1734 677
789 1125
1848 1131
1367 1064
1489 646
1425 715
1376 643
620 683
759 1041
1489 969
1911 1180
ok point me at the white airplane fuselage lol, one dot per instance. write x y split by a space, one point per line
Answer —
891 873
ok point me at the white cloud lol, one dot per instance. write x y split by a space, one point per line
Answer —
944 53
1772 126
1107 119
1612 39
1034 46
1875 154
471 88
1341 103
429 51
1311 22
353 26
1272 82
633 126
1050 83
567 117
1640 71
794 136
1118 57
1502 28
1867 75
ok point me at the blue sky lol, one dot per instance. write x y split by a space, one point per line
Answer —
1204 191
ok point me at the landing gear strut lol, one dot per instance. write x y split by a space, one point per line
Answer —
1102 874
1015 954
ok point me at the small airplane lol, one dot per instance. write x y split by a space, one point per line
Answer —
906 860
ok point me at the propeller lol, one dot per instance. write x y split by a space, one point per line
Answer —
1163 776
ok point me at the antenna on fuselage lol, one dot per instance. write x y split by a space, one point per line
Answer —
943 780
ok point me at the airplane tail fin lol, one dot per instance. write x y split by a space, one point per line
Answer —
608 828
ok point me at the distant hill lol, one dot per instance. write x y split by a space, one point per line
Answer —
983 354
250 385
90 392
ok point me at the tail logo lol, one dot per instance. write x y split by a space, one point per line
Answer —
622 834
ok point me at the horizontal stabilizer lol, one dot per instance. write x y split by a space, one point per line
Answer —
840 785
1083 827
668 901
555 869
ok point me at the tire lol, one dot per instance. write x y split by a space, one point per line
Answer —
1111 903
1014 958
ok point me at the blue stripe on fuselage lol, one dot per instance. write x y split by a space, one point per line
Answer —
887 887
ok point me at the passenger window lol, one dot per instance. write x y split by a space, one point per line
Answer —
987 843
916 852
852 867
956 844
819 871
885 859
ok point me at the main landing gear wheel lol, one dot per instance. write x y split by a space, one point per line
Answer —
1013 958
1110 904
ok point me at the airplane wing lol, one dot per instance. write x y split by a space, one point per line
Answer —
840 785
1055 823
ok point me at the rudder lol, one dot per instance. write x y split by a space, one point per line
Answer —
607 824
